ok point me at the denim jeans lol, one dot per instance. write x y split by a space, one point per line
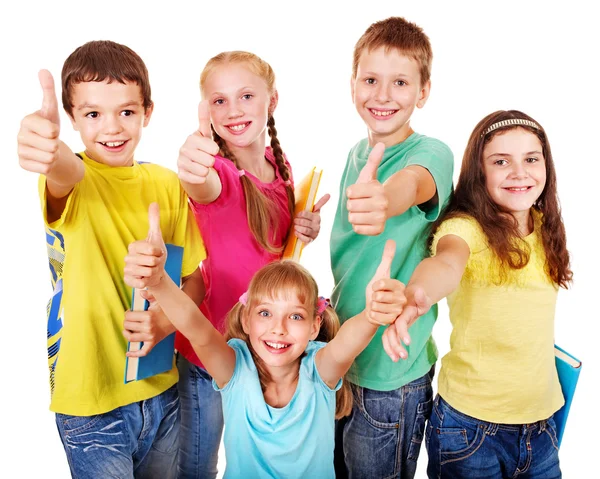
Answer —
201 422
137 440
382 436
460 446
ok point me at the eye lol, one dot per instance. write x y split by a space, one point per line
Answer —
92 114
247 96
370 81
531 160
219 101
127 112
400 82
264 313
501 162
297 317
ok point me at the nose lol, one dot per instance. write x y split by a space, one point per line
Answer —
519 170
235 110
278 326
382 93
112 125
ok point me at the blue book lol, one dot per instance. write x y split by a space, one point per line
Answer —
160 358
568 369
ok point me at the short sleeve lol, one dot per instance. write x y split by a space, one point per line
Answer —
437 158
465 228
308 362
69 214
243 364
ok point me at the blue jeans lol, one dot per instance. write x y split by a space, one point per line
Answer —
382 436
137 440
201 422
460 446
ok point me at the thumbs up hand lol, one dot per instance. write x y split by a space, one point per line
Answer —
37 140
367 203
384 296
145 262
197 155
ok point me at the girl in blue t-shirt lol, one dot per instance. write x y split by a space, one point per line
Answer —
277 375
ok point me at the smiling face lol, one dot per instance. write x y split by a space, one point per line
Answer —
385 92
240 103
279 329
110 118
515 171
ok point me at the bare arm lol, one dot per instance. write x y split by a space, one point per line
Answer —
410 186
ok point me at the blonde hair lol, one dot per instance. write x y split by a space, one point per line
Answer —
273 280
259 208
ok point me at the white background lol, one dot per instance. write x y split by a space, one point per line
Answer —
491 55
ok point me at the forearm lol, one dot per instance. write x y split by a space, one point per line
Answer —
206 192
352 338
193 286
409 187
183 313
65 174
436 277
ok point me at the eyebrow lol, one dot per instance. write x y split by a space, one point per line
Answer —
94 107
535 152
369 73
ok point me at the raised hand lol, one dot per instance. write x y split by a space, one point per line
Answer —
417 304
307 224
384 296
37 140
197 155
367 203
145 263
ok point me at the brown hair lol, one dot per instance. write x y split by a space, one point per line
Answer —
471 198
259 208
402 35
101 60
281 277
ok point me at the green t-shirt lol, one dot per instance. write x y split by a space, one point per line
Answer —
354 258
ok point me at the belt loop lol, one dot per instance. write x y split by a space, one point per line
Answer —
492 429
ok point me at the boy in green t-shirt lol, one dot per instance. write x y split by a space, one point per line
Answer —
395 183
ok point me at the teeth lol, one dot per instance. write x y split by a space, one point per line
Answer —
383 113
238 127
523 188
276 345
113 144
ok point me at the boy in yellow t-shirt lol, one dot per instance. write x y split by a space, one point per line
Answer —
95 204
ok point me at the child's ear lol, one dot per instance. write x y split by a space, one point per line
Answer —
73 122
245 322
274 101
352 87
424 94
316 327
148 114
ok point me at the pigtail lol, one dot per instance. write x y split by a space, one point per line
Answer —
330 325
259 209
282 167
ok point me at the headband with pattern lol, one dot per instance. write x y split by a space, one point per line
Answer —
511 122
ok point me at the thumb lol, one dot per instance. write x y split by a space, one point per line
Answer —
154 233
385 267
49 108
204 119
369 171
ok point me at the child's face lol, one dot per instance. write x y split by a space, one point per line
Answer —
279 330
240 102
515 170
385 92
109 117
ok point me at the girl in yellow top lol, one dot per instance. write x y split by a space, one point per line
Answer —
499 255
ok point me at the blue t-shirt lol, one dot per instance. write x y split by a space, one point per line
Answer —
293 441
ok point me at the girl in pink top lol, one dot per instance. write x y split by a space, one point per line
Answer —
242 195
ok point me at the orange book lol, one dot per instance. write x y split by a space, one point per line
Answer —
306 195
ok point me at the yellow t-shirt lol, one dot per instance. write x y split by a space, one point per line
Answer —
501 365
105 212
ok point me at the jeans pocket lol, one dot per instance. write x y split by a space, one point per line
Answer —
457 444
379 408
74 425
423 413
